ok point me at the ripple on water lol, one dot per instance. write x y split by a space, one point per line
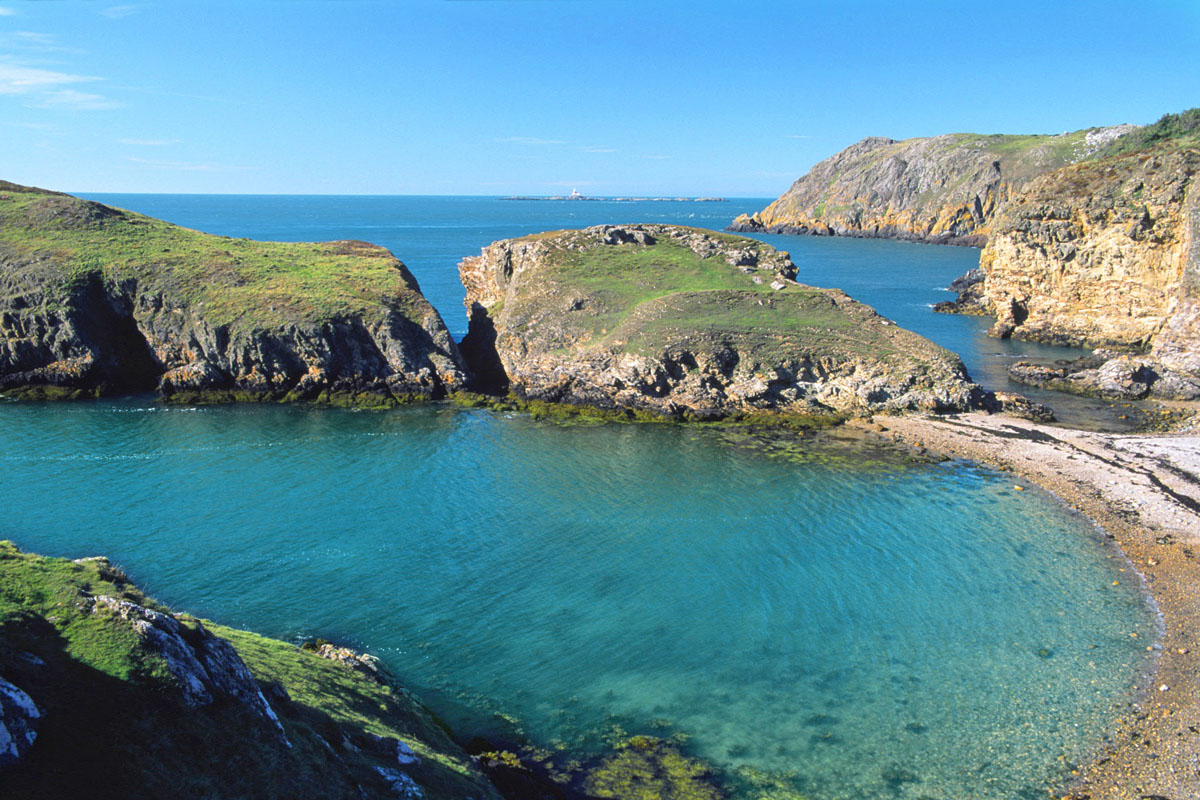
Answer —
817 615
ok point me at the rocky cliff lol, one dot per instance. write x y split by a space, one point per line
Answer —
687 323
97 300
944 189
106 694
1105 255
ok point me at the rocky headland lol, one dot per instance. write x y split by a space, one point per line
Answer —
941 189
1104 255
95 300
689 324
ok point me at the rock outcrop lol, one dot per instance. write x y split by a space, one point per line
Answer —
204 667
96 300
943 189
687 323
19 717
107 694
1104 255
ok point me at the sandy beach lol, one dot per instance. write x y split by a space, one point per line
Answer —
1144 491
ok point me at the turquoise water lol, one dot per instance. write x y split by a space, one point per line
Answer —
858 625
830 614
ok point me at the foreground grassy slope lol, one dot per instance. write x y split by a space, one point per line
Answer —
95 299
114 725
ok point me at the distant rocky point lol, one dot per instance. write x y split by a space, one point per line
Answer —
942 189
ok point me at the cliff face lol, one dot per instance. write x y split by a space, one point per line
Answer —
96 300
1106 255
105 693
945 189
681 322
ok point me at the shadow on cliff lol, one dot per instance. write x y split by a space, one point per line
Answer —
478 349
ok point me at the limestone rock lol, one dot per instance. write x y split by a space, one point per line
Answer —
362 663
671 321
943 189
1106 255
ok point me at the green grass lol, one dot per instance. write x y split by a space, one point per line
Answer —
114 726
768 325
1175 130
615 280
61 239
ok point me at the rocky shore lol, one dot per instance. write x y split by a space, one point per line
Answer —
1144 491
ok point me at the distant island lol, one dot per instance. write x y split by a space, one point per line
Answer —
575 195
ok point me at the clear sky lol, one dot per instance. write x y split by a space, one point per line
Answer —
538 96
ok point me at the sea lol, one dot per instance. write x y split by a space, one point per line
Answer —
815 616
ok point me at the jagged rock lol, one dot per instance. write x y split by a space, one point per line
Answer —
1018 405
362 663
679 327
19 717
1104 254
971 298
401 783
944 189
96 300
204 666
1135 293
1112 377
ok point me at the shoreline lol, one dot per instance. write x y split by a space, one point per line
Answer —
1144 492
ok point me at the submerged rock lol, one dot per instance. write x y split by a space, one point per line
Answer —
647 768
686 323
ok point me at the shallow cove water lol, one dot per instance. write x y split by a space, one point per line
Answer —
818 615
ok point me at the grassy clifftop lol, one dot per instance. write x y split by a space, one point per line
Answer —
683 322
53 237
95 299
121 715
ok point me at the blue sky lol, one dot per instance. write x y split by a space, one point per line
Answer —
538 96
